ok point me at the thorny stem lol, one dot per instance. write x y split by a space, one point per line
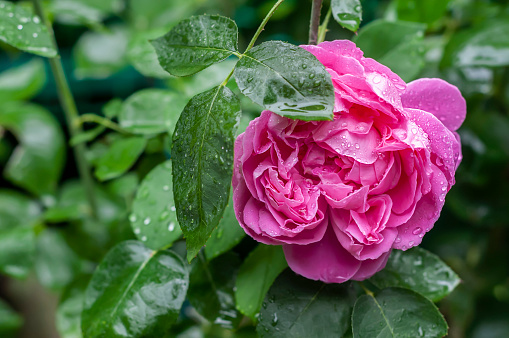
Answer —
71 113
262 25
314 21
322 30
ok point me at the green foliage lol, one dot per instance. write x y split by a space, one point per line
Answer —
348 13
22 82
10 321
120 157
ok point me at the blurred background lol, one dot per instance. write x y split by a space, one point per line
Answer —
107 57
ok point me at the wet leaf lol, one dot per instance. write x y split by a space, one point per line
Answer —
119 157
22 82
348 13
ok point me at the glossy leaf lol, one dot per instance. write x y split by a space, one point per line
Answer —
211 289
255 277
396 312
134 292
119 157
10 321
37 162
484 45
287 80
20 28
398 45
17 251
154 220
196 43
202 154
227 234
348 13
22 82
418 270
151 111
299 307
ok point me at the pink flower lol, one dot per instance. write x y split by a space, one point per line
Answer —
340 195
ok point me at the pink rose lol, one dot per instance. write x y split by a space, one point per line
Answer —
340 195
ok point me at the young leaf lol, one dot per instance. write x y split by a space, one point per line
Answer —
134 292
202 154
299 307
396 312
20 28
418 270
196 43
154 220
151 111
22 82
227 234
119 157
255 277
211 289
348 13
287 80
37 162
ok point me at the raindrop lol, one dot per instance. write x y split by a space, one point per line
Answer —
144 238
34 35
137 231
133 218
304 66
166 187
146 221
171 226
172 208
20 27
36 19
417 231
311 76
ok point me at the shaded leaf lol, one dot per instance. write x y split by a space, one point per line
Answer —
427 11
396 312
87 12
154 220
202 154
287 80
10 321
142 55
418 270
196 43
256 275
299 307
119 157
20 28
68 315
348 13
134 292
22 82
17 251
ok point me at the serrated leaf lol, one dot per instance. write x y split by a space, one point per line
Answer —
299 307
10 321
396 312
154 220
348 13
196 43
22 82
286 80
119 157
37 162
20 28
418 270
255 277
202 154
211 289
227 234
151 111
134 292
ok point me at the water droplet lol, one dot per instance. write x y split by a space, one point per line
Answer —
146 221
274 320
34 35
417 231
164 215
144 238
357 146
36 19
304 66
137 231
311 76
132 218
377 79
166 187
171 226
20 27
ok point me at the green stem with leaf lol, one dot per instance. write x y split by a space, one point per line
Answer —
322 30
71 113
314 22
262 25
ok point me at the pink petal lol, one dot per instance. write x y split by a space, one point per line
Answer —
439 98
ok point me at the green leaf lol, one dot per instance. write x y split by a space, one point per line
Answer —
151 111
154 220
37 162
22 82
227 234
287 80
98 55
211 289
417 270
299 307
142 55
87 12
396 312
68 315
119 157
56 264
202 153
155 14
398 45
17 251
17 210
196 43
427 11
10 321
20 28
484 45
348 13
134 292
255 277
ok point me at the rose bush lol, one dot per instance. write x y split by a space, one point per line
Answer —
340 195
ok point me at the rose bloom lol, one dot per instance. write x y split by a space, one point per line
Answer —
340 195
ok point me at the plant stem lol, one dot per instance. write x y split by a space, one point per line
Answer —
102 121
368 292
262 25
71 113
314 22
322 30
